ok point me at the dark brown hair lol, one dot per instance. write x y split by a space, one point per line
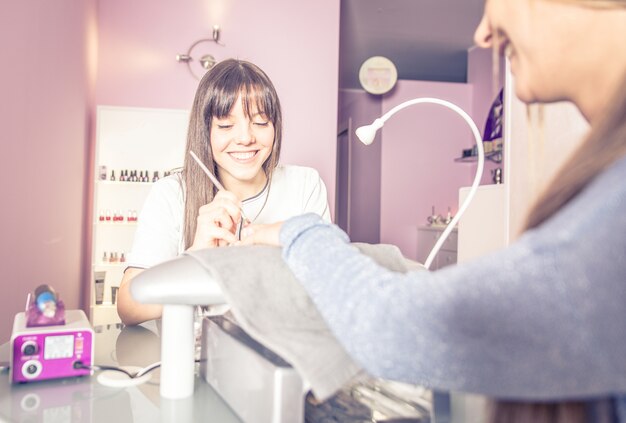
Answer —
217 92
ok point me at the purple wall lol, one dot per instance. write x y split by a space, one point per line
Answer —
418 150
63 57
48 50
140 39
362 164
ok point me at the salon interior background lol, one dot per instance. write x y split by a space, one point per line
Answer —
63 58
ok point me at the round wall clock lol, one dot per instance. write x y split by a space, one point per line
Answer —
378 75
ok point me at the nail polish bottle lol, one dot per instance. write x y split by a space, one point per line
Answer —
104 257
122 257
112 175
101 216
155 177
107 216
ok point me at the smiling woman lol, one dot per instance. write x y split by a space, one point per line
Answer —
235 129
537 326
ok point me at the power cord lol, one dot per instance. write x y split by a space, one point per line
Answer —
145 370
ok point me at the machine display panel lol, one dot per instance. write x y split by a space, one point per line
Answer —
58 347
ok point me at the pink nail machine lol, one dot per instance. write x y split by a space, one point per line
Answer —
49 342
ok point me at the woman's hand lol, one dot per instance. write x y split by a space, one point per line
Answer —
261 234
217 222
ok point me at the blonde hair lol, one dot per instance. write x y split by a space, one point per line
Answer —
602 4
605 144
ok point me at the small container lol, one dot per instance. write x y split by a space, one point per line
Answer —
102 172
114 290
99 286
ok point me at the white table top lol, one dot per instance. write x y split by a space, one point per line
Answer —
83 399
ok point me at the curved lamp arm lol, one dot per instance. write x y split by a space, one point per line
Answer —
367 133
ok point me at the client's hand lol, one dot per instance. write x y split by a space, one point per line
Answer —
261 234
217 222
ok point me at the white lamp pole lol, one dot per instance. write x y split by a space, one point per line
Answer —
367 133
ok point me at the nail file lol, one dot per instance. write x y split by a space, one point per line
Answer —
219 187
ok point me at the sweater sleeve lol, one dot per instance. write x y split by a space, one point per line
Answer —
543 318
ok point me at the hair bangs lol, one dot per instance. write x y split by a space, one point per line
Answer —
257 99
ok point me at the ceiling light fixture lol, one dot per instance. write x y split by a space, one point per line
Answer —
206 61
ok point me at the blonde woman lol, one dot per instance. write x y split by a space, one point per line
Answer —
541 325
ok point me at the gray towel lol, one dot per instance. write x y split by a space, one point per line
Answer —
273 308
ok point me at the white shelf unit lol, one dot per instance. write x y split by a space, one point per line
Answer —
127 138
427 237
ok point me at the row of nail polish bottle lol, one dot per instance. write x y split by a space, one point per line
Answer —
132 176
113 257
117 216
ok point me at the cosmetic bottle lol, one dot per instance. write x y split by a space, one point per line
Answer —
104 257
122 257
107 216
155 177
433 219
102 173
112 175
146 178
448 217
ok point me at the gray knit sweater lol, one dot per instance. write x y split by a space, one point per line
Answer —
542 319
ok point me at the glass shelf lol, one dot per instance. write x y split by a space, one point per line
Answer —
109 223
123 183
494 156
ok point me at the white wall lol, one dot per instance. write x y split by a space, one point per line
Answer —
534 151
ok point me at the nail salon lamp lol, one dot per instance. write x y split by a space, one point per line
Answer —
164 283
367 133
179 284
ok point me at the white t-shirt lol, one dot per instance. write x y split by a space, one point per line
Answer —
294 190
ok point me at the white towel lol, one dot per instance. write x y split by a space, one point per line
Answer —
273 308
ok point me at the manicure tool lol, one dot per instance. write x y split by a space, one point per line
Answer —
221 188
